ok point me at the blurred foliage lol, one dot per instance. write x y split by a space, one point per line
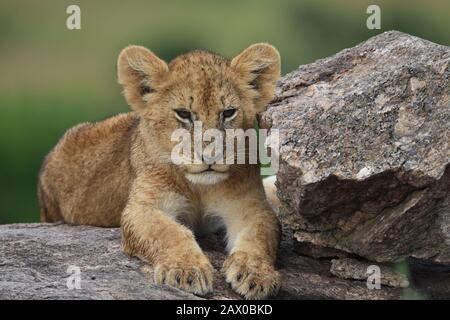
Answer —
52 78
410 292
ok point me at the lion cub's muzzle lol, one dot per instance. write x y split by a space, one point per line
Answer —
205 173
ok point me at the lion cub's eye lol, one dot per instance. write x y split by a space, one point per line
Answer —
228 113
183 114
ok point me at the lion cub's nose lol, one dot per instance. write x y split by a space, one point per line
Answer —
211 158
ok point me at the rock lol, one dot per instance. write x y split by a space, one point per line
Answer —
309 249
353 269
365 150
34 260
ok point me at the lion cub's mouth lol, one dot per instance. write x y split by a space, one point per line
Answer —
215 168
210 175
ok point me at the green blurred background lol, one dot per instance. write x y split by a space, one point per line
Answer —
52 78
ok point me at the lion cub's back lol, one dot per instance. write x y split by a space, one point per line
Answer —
85 178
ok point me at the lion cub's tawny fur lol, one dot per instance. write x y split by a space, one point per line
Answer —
119 171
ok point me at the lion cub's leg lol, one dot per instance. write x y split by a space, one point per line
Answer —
253 233
153 235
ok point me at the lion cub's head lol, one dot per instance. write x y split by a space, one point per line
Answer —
198 87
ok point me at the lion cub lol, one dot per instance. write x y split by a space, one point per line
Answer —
119 171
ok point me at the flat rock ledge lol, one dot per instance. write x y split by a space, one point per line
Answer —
35 260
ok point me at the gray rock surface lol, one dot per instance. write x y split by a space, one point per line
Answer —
34 259
353 269
365 150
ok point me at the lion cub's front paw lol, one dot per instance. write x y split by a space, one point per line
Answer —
251 276
193 274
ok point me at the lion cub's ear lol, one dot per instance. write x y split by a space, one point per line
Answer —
140 72
259 66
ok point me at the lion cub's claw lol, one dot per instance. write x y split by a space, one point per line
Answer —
251 277
194 274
